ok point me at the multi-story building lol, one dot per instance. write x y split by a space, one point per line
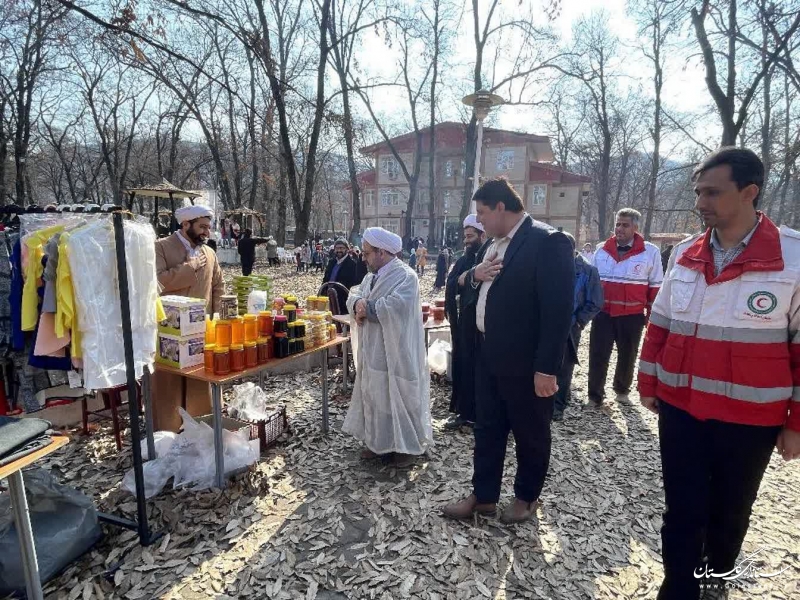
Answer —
551 194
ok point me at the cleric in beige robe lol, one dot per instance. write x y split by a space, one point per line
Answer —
186 267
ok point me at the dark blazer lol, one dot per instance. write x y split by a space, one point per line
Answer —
529 307
347 276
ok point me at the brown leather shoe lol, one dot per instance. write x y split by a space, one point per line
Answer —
519 511
465 508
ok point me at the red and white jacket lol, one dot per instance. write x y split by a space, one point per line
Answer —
630 284
727 347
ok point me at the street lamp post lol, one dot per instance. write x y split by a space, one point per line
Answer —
481 102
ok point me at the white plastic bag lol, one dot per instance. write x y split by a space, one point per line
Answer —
437 356
249 403
163 443
190 459
256 302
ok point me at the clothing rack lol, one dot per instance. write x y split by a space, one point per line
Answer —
140 525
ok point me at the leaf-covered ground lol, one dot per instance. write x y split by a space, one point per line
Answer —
312 520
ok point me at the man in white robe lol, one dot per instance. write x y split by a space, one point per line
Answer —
390 407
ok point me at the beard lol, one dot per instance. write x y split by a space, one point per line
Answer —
472 248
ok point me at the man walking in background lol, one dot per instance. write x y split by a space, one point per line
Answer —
631 273
247 250
272 252
588 302
523 287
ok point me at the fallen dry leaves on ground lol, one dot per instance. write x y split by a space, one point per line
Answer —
312 520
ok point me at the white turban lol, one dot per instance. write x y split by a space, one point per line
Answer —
190 213
378 237
472 221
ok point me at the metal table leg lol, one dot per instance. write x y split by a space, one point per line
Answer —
345 367
22 520
325 391
261 378
219 456
148 415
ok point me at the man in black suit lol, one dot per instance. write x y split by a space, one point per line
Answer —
341 269
523 294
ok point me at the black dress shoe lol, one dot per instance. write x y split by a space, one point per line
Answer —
558 415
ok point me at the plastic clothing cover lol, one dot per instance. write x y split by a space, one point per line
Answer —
64 523
93 263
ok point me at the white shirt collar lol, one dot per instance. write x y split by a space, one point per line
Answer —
516 227
187 244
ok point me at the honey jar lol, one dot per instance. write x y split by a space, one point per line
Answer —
237 357
264 349
264 323
250 355
223 333
222 360
250 328
208 357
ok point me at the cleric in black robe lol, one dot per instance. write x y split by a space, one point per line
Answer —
341 269
462 401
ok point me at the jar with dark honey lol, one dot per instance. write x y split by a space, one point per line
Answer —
280 324
290 310
300 329
222 360
292 332
280 345
237 357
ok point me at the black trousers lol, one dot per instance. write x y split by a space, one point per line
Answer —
462 399
625 332
712 472
564 378
503 405
247 266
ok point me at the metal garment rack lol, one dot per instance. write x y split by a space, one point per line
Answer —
140 525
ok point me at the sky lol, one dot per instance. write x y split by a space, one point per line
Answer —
684 86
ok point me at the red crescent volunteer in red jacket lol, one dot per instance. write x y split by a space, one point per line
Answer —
631 272
721 367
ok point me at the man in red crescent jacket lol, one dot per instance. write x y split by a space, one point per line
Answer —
721 367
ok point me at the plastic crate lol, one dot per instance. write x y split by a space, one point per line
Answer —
270 429
267 431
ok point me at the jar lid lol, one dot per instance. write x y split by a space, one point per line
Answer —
281 318
210 346
280 334
263 340
265 313
250 344
289 307
236 347
221 350
249 317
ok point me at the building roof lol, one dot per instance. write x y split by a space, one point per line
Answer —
450 134
554 174
365 178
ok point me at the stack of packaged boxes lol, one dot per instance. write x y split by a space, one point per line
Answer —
181 337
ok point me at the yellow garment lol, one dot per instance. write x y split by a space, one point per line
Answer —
33 273
66 313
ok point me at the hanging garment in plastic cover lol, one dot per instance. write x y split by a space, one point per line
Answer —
64 523
93 262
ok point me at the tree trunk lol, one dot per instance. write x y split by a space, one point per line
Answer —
280 236
432 145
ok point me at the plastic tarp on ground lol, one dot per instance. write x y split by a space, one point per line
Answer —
64 523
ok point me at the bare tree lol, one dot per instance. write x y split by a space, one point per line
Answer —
724 40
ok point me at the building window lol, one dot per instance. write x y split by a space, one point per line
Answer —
539 195
448 168
447 197
368 198
505 160
561 194
422 202
389 225
389 167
